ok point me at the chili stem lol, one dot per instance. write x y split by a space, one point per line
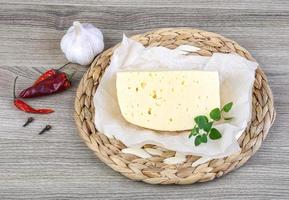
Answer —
14 88
70 76
63 66
38 70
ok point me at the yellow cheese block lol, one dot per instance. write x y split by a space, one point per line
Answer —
167 100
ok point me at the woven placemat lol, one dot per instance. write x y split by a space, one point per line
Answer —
153 170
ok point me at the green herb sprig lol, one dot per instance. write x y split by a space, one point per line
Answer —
204 126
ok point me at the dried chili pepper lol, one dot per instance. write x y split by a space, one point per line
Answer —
49 73
52 81
53 84
45 75
21 105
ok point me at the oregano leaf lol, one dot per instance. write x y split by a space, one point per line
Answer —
208 127
227 107
201 121
215 134
198 140
204 138
215 114
194 132
203 128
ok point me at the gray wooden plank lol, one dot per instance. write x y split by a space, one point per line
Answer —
57 165
216 4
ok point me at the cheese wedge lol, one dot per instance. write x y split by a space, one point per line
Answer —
167 100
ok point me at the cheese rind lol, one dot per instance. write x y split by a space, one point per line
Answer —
167 100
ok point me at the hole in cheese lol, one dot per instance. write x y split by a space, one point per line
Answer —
149 111
154 94
143 85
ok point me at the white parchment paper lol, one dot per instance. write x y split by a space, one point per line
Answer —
236 81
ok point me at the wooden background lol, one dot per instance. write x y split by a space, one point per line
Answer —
57 165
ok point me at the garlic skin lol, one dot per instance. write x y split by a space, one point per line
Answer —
81 43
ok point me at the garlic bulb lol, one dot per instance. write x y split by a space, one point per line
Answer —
81 43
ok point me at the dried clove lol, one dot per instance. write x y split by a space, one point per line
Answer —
29 120
46 128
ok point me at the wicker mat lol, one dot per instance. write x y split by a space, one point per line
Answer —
153 170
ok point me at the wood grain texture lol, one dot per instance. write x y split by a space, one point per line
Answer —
57 165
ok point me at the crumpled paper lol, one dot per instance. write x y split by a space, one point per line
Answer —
236 82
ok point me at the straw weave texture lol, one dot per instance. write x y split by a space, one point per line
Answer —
154 170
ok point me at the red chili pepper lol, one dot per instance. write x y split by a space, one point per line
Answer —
53 84
49 73
45 75
21 105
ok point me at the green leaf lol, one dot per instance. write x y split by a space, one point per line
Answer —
227 107
194 132
215 114
198 140
215 134
208 127
201 121
204 138
228 118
